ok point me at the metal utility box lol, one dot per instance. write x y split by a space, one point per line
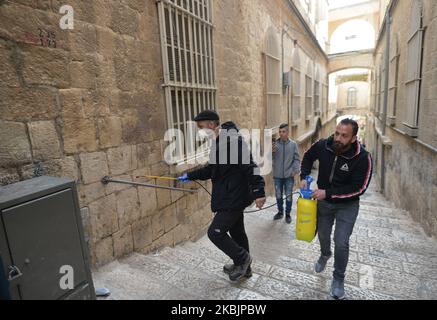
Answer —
41 236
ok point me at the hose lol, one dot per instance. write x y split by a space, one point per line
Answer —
207 191
251 211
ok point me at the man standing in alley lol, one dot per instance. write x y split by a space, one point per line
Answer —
236 183
345 170
286 164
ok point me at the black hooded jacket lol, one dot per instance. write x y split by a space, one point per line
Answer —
235 180
344 177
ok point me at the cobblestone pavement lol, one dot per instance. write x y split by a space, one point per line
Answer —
390 258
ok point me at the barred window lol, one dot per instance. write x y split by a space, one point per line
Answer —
325 98
272 79
378 90
373 90
393 80
414 69
309 92
296 87
317 93
186 28
382 87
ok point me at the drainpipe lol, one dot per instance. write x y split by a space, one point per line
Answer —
386 84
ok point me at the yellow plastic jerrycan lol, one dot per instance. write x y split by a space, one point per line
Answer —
306 220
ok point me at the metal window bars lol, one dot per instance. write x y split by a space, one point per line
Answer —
186 28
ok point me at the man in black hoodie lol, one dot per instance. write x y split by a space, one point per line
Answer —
236 183
345 170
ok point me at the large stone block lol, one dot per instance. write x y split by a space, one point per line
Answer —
103 252
45 140
65 167
8 176
84 11
142 233
23 24
82 40
8 72
79 135
164 240
135 127
90 192
182 233
93 166
128 208
169 218
103 215
123 242
14 143
157 226
124 20
84 73
27 104
148 203
45 66
149 153
163 196
105 72
114 187
105 42
121 159
110 132
72 103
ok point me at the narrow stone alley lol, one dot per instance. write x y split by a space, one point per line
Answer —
110 109
390 258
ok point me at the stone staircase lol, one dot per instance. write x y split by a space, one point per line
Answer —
390 258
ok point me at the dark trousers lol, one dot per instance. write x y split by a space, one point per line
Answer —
228 234
284 186
345 216
4 283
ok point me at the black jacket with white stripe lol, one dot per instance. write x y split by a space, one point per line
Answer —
344 177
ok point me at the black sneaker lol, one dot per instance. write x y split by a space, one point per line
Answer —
278 216
229 268
320 265
337 289
240 270
288 218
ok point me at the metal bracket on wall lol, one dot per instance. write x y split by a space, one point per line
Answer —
107 179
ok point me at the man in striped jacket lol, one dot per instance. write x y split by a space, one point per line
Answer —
345 170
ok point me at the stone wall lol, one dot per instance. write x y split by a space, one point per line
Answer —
410 176
93 105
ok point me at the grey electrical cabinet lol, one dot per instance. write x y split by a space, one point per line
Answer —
42 240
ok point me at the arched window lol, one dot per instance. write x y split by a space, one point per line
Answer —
272 79
414 66
393 80
352 97
309 91
296 87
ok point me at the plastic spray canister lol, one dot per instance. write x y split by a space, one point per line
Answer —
306 221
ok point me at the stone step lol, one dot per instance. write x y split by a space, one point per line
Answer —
390 258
